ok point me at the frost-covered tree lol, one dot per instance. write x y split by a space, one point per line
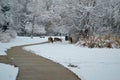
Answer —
53 17
7 31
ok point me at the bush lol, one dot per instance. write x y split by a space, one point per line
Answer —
7 36
12 33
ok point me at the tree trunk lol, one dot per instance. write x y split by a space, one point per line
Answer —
33 23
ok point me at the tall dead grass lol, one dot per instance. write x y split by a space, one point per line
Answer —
106 41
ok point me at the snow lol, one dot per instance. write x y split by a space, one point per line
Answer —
8 72
92 64
19 41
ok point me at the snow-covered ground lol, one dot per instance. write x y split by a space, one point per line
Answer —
8 72
88 64
19 41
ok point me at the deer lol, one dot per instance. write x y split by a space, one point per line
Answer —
66 38
70 39
50 39
57 39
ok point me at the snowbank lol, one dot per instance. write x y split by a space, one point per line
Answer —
8 72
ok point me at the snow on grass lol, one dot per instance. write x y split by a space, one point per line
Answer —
8 72
19 41
88 64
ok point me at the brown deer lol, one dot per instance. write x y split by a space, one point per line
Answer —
70 39
57 39
50 39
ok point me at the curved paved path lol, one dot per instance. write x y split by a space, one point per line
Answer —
34 67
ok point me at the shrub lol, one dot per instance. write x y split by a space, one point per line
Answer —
7 36
12 33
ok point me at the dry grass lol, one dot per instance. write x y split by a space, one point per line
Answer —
106 41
